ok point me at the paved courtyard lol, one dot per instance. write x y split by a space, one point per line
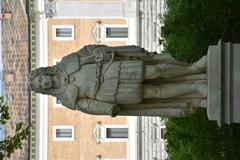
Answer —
15 63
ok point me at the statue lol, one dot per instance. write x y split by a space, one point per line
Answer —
125 80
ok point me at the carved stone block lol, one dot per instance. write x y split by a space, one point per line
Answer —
223 72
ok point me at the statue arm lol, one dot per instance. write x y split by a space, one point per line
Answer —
88 54
96 107
102 53
97 53
107 53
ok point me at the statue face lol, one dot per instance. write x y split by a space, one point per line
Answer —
42 82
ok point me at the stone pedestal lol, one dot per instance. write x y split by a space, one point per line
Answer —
223 101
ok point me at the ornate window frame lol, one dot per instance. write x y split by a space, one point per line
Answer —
100 32
50 8
100 133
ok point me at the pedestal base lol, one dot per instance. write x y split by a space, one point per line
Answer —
223 101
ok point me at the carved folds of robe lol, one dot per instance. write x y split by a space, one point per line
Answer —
96 88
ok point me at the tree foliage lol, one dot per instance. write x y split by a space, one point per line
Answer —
191 25
196 138
11 143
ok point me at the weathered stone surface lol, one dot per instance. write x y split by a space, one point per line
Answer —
224 83
236 83
214 83
123 80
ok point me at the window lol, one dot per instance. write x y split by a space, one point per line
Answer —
63 133
63 32
110 32
110 133
57 102
116 32
163 133
56 61
117 133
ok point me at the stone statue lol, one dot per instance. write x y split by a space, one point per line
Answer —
125 80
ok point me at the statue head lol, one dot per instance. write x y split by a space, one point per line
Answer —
40 80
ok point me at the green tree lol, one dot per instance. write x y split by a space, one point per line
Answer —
11 143
190 26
